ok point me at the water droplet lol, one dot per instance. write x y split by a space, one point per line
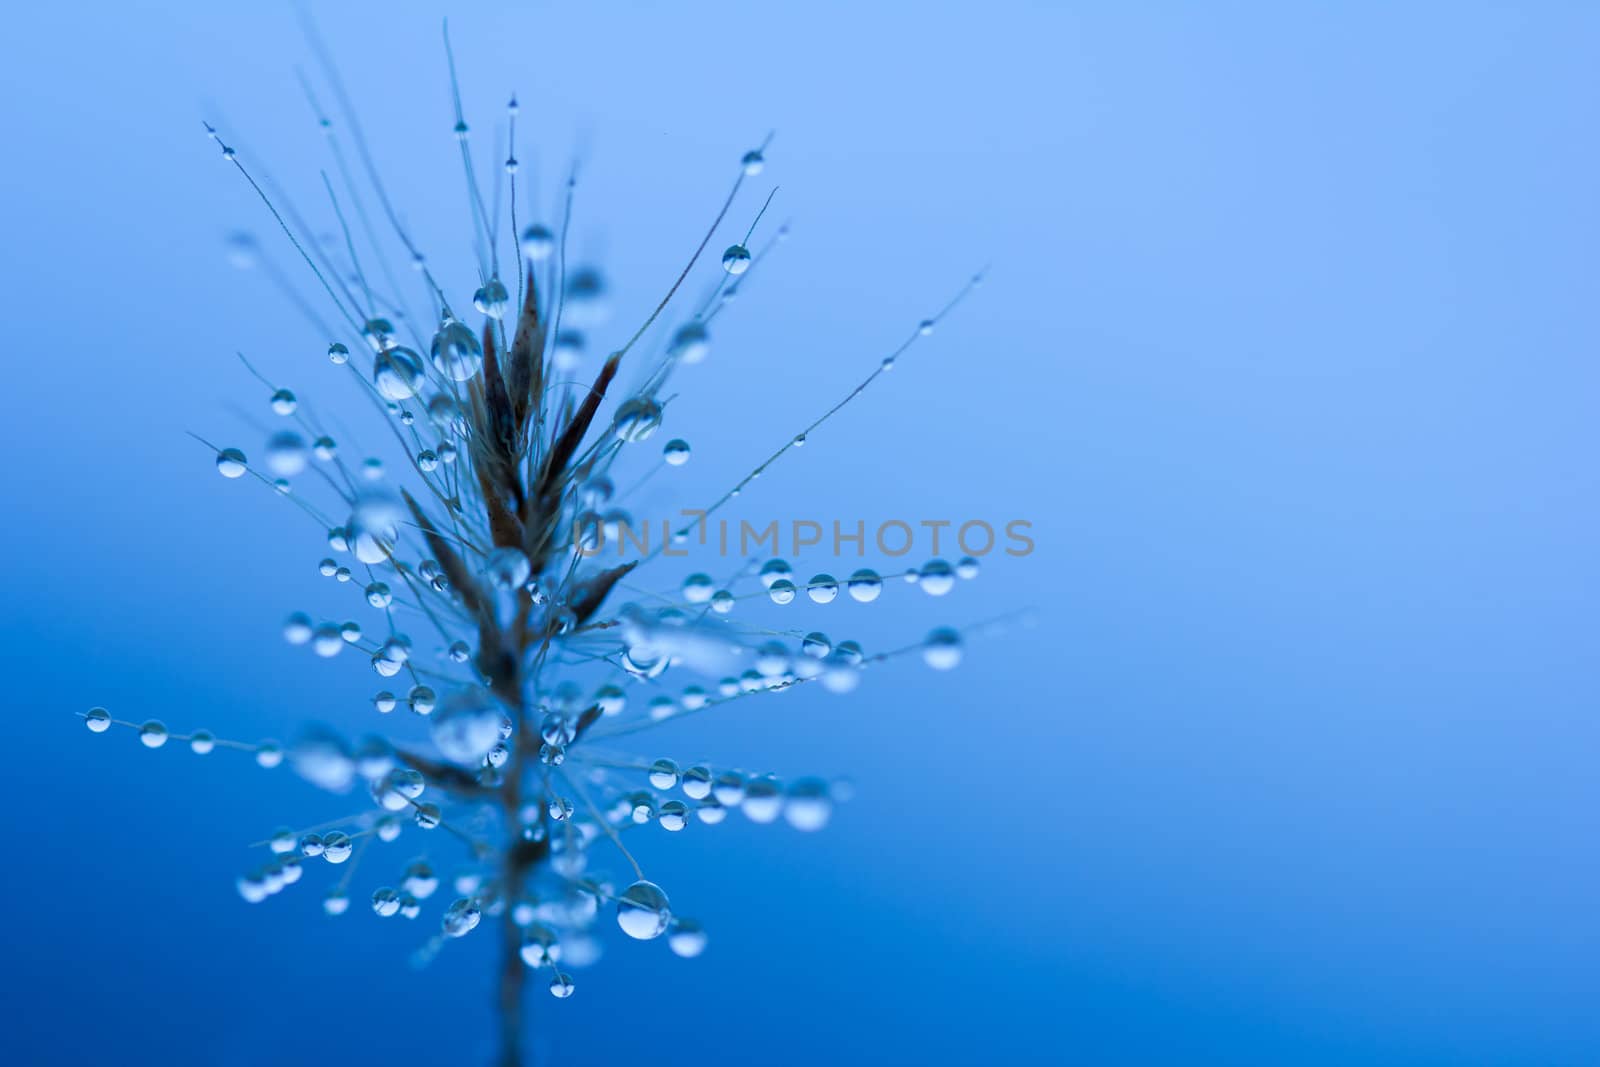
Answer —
461 917
816 645
822 589
781 591
691 344
538 243
202 742
456 353
231 463
643 911
287 454
336 902
772 570
610 699
585 304
808 805
663 774
153 733
864 586
323 758
763 799
338 354
674 816
336 847
467 725
379 333
421 699
942 649
561 986
925 327
722 602
508 568
269 754
677 452
736 260
936 577
967 567
98 720
385 902
637 419
697 783
284 402
397 373
697 588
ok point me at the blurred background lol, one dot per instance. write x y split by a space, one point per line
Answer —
1287 352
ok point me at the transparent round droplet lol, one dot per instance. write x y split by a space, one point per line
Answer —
385 902
942 649
508 568
467 725
492 299
231 463
338 354
687 939
537 243
663 774
98 720
637 419
772 570
781 591
676 452
808 804
822 589
865 586
153 733
736 260
691 344
643 911
287 454
456 353
397 373
461 917
936 577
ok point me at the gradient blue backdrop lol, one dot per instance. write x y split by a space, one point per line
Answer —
1288 353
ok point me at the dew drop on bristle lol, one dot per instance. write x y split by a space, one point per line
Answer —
284 402
781 591
822 589
492 299
231 463
936 577
397 373
643 911
865 586
772 570
942 649
637 419
676 452
466 725
98 720
736 260
691 344
456 353
153 733
808 804
338 354
537 243
287 454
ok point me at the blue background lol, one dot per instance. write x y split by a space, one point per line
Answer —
1288 353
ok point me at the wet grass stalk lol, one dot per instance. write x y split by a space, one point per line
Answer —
471 541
